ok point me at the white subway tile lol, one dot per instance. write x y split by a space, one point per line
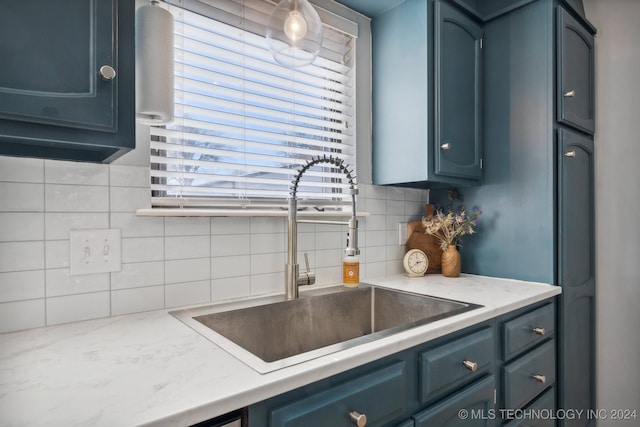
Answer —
21 285
137 226
18 169
231 266
141 249
187 293
187 270
376 192
76 198
267 263
331 240
326 258
306 241
228 245
21 197
73 308
129 176
329 275
19 256
396 193
21 226
376 238
230 225
187 226
129 199
230 288
267 243
57 253
262 284
267 225
77 173
60 282
183 247
376 222
394 208
125 301
377 206
18 315
376 254
58 224
375 269
138 274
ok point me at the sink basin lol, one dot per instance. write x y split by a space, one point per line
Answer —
274 335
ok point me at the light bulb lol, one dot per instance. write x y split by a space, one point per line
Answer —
295 26
294 33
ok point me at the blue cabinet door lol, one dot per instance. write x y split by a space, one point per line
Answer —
472 407
458 81
575 63
67 78
576 272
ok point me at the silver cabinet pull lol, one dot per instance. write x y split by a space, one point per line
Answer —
539 331
445 146
472 366
540 378
571 153
357 418
570 94
107 73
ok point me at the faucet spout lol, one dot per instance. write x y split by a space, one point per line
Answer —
293 278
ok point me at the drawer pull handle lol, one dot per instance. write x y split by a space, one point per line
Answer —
571 153
539 331
357 418
472 366
445 146
570 94
107 73
540 378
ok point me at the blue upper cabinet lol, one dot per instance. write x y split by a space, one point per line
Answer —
427 80
67 80
575 64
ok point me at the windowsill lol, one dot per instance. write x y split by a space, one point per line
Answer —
196 212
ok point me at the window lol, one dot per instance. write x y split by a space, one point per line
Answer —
244 124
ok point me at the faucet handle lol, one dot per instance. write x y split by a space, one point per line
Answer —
309 277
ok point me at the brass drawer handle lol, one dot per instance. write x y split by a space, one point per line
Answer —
445 146
540 378
571 153
570 94
472 366
357 418
539 331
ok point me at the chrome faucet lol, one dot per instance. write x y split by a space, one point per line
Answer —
293 278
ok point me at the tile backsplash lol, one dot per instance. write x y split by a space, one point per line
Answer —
166 261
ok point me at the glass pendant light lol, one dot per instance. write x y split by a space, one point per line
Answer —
294 33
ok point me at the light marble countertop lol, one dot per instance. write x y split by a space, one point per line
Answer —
151 369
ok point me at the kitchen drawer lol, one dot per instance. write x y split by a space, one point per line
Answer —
476 401
539 413
380 395
528 330
407 423
529 375
443 368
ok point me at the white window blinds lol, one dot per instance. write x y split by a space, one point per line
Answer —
244 124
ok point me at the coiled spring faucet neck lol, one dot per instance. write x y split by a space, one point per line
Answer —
293 277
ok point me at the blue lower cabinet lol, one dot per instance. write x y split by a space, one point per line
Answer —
380 396
528 376
408 423
474 406
540 413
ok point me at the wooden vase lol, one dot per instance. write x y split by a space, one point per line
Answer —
451 263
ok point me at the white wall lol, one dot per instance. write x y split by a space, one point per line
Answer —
617 151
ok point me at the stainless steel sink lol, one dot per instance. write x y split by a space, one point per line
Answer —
274 335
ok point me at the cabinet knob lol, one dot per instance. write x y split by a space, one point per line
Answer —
570 94
357 418
540 378
539 331
107 73
472 366
445 146
571 153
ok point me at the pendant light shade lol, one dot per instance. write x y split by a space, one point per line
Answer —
154 65
294 33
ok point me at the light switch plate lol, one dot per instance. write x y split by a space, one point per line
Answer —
402 233
95 251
